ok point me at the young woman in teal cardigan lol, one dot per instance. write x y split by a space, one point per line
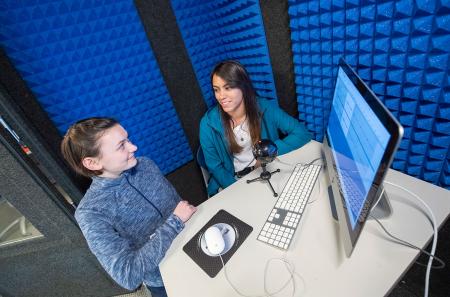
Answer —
229 130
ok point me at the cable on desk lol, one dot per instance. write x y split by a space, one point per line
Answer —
435 235
304 164
405 243
289 267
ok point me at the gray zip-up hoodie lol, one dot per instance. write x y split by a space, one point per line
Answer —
129 224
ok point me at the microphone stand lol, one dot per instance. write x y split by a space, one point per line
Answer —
265 175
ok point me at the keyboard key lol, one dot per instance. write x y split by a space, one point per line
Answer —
289 207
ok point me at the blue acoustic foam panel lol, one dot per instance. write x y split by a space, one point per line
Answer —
92 58
401 50
225 30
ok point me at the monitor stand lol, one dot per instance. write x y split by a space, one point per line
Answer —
382 209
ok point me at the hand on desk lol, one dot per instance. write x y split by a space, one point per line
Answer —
184 210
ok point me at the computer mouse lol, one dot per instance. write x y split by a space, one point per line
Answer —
214 240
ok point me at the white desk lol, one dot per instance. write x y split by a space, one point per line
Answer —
373 269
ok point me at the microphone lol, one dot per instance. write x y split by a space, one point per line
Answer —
265 151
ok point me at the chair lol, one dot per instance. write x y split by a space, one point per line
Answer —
201 162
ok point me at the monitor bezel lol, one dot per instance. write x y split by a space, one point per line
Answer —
349 236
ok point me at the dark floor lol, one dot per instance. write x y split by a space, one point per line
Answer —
412 284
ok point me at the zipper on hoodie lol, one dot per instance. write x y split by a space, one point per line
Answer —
140 193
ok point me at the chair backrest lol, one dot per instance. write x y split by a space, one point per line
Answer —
201 162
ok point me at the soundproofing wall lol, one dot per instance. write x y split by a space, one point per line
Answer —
222 30
92 58
401 50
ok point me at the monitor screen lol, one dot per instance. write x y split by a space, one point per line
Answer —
360 141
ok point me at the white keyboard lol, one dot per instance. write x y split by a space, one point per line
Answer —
285 215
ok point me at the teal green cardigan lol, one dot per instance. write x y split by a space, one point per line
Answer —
219 159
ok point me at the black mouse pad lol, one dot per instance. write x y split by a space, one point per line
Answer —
212 264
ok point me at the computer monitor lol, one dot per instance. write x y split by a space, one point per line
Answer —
359 144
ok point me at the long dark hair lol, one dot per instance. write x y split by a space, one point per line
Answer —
81 141
237 77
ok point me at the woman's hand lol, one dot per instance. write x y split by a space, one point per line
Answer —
184 210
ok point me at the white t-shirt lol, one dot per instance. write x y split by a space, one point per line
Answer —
245 157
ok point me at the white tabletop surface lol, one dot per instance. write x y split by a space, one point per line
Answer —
321 267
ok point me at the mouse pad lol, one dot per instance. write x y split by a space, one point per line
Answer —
212 264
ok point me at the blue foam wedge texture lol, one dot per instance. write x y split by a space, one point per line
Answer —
401 50
85 58
222 30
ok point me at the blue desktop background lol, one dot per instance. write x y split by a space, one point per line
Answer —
353 122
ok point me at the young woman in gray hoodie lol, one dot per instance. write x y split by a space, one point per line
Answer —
130 214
